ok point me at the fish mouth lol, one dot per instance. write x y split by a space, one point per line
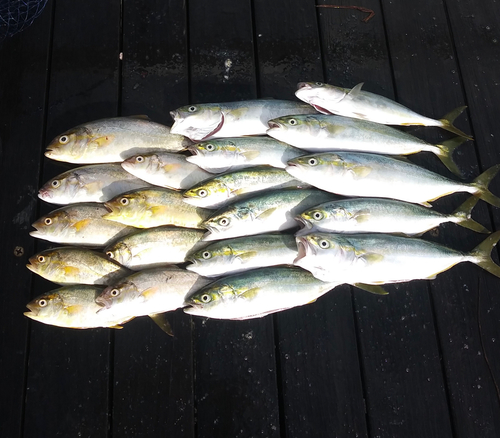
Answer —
304 86
194 150
272 124
44 193
33 310
108 207
305 224
174 115
103 302
36 233
303 249
31 267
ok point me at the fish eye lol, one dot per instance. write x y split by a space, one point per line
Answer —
324 244
41 259
210 147
110 254
202 193
56 183
206 255
114 292
192 109
312 161
42 302
63 139
139 159
292 122
224 221
124 201
317 215
47 221
205 298
319 84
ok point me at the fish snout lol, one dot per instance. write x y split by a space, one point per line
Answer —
174 115
272 124
304 86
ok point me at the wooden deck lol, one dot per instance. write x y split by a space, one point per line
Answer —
423 361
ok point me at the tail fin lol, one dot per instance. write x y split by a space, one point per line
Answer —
445 154
448 119
481 184
481 254
463 216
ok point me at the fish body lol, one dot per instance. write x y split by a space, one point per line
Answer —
256 293
273 211
359 104
75 265
377 215
383 258
220 190
165 169
229 154
113 140
93 183
232 119
242 254
328 133
154 207
72 307
79 224
372 175
149 292
154 246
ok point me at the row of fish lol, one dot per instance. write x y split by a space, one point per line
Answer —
149 204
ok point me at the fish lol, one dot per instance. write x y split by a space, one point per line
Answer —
75 265
165 169
378 215
232 119
148 292
72 307
256 293
263 213
154 246
113 140
220 190
242 254
79 224
383 258
235 153
153 207
93 183
330 133
372 175
359 104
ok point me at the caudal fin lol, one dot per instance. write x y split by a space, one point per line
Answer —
463 217
448 119
481 184
481 254
445 154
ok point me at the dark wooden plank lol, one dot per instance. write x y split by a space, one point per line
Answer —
320 377
397 339
68 375
24 58
153 376
235 370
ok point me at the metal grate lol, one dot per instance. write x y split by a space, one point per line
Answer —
16 15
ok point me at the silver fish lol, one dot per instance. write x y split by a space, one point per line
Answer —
256 293
359 104
242 254
113 140
232 119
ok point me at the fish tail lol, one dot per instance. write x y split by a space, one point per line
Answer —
481 254
445 154
448 119
463 217
481 184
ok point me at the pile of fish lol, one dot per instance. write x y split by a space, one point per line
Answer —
243 209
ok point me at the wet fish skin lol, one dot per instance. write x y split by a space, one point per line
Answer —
220 190
242 254
231 119
372 175
273 211
147 208
383 258
79 224
378 215
149 292
72 307
75 265
234 153
359 104
93 183
112 140
154 246
165 169
256 293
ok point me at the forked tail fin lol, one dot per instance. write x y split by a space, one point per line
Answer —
448 119
481 254
481 184
463 217
445 154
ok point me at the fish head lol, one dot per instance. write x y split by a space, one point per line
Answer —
142 163
313 165
228 222
46 307
119 252
320 95
127 208
284 127
212 259
54 224
220 154
206 193
210 301
61 189
118 295
44 262
69 146
313 217
197 122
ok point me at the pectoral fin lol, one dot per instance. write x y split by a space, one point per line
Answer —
250 294
251 155
359 171
264 215
161 321
103 141
373 289
362 216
